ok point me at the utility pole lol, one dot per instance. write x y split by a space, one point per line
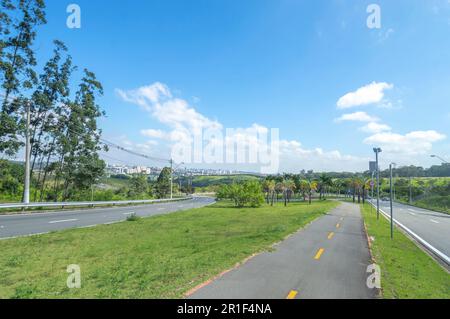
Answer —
410 190
26 188
377 150
394 178
171 178
186 178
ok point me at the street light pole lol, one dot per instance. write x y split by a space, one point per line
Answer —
377 150
390 193
372 184
26 189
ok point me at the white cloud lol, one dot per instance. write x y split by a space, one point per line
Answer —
177 114
369 94
294 157
145 94
413 143
153 133
357 116
374 127
183 120
158 100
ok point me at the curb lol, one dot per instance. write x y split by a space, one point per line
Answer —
372 257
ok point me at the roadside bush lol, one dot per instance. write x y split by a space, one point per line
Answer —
132 218
248 193
437 203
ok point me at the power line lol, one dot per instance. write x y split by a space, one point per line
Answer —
112 144
121 148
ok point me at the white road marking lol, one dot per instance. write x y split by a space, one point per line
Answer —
434 221
412 214
420 239
131 213
62 221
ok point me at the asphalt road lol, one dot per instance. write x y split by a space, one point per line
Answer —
431 226
36 223
327 259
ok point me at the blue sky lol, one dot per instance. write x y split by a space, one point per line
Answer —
277 64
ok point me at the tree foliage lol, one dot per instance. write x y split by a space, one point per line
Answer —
249 193
18 22
162 187
65 139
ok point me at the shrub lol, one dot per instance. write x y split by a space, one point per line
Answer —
248 193
133 217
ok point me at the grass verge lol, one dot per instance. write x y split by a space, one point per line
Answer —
406 271
158 257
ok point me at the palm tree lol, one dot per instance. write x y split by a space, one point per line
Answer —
312 188
308 186
289 186
360 184
347 184
304 188
365 186
324 181
355 184
271 187
286 187
265 187
278 189
338 185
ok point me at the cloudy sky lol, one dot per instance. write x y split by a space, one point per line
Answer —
312 69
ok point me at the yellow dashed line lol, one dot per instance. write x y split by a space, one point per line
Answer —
292 294
338 225
330 235
319 253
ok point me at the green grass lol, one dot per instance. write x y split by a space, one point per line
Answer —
437 203
158 257
406 271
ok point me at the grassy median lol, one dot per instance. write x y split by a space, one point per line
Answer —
158 257
406 271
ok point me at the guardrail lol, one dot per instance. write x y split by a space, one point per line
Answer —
419 239
91 204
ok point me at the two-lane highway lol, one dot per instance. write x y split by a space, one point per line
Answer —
36 223
431 226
